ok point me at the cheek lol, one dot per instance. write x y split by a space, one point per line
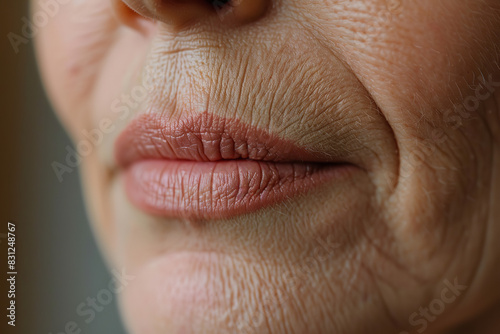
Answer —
72 49
427 52
420 61
423 63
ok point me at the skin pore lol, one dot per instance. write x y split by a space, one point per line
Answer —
408 92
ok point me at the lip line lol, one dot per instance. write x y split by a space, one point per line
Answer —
207 137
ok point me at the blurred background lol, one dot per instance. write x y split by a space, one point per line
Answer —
58 263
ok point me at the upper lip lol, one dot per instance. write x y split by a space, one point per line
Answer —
205 137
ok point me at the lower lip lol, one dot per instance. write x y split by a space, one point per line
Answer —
222 189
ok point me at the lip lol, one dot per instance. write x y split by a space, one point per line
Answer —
210 167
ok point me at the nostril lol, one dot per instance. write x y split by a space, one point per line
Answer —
179 14
218 4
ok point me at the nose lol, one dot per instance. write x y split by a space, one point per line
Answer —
182 13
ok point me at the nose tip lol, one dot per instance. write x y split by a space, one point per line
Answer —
182 13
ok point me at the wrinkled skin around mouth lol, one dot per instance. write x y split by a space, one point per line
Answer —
406 91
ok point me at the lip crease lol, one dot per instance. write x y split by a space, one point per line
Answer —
209 167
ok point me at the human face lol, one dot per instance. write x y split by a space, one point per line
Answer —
286 166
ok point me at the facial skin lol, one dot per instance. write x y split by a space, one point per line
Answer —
408 92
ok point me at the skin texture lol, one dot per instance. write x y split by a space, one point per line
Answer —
399 85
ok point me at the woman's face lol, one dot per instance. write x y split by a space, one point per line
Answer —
286 166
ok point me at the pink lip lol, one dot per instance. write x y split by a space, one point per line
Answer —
208 167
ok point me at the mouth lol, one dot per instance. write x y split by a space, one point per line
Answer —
209 167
